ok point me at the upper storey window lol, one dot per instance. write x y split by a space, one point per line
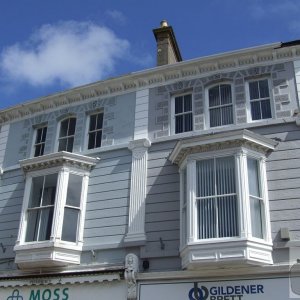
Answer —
183 113
40 140
259 96
66 134
220 105
95 130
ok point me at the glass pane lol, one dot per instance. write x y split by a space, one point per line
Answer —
253 178
44 134
42 149
64 128
214 96
178 105
225 175
256 217
93 119
264 88
227 216
99 121
74 190
38 135
215 117
253 89
179 124
188 122
36 192
266 109
72 125
38 150
98 138
225 93
32 225
188 103
205 178
91 143
227 115
207 218
255 110
70 223
45 226
70 142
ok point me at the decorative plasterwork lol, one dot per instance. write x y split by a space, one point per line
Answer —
58 159
136 221
161 75
131 269
213 142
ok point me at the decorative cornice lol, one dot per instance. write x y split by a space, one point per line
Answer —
200 67
62 158
220 141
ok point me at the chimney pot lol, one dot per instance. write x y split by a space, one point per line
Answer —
164 23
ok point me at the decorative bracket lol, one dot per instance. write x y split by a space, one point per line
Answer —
131 268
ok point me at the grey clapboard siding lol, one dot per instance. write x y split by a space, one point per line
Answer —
108 199
162 203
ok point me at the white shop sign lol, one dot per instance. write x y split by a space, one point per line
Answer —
89 291
262 289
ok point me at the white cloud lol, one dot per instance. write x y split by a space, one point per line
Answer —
70 53
117 16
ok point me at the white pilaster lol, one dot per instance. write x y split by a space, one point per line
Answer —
141 114
3 141
136 222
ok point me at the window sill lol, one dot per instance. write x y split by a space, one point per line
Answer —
47 254
231 251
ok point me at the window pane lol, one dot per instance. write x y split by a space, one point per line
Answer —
43 139
253 178
225 175
227 115
62 145
74 190
188 103
205 178
32 225
188 122
215 117
227 216
70 142
99 121
98 139
266 109
255 110
91 143
256 217
179 124
72 125
207 218
38 150
264 88
253 89
225 93
36 192
93 119
214 96
38 135
178 105
70 223
64 128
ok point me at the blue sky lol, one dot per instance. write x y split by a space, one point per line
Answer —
50 46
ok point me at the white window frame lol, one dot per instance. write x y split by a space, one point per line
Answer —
87 126
173 116
248 101
58 132
36 128
70 251
207 108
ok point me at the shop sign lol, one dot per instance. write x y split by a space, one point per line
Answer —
258 289
103 291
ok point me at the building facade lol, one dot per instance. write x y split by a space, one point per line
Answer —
178 182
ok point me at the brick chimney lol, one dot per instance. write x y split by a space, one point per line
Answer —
167 48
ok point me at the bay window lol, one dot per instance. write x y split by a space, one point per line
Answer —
224 199
52 218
